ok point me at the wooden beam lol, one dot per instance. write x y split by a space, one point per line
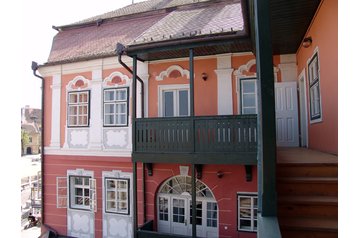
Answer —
266 111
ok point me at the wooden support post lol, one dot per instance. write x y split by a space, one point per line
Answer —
193 200
266 110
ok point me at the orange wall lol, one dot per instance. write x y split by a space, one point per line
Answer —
323 136
205 92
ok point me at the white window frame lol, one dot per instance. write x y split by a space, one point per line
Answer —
313 71
115 103
91 187
61 192
116 190
242 93
78 105
176 88
252 208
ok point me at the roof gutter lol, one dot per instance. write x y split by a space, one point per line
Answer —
186 43
34 67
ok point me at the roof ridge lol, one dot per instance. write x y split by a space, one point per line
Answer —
135 9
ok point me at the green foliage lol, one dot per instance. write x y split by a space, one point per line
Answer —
25 139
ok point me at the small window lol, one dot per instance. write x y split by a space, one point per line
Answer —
314 89
117 195
80 192
175 102
78 109
115 111
247 210
248 96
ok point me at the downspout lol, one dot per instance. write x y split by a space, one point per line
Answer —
34 67
120 50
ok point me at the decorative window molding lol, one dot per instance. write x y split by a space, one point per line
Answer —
78 83
247 211
166 73
314 88
116 79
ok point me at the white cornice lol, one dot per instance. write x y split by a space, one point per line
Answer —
84 66
87 152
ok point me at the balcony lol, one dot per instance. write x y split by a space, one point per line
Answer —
198 140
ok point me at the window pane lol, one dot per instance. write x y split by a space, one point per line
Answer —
109 108
122 95
248 86
249 110
72 111
168 104
109 119
83 97
249 100
73 98
183 103
245 224
108 95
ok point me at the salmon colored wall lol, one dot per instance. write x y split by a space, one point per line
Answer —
47 111
323 135
57 166
224 189
205 92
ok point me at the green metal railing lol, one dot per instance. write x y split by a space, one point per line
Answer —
201 134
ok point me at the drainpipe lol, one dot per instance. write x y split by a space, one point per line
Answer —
34 67
120 51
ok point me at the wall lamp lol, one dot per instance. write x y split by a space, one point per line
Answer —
204 76
307 42
220 174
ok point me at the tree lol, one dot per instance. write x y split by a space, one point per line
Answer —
25 139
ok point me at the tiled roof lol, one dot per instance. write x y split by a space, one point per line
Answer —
89 41
194 22
144 6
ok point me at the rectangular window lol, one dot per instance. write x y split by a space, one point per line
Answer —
314 89
247 210
80 192
115 105
248 96
175 102
78 109
117 195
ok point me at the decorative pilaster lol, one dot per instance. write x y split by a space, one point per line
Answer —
56 112
224 80
95 141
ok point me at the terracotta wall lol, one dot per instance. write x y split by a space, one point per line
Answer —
225 190
323 135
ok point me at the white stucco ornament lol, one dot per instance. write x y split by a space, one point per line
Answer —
80 223
79 137
117 138
118 227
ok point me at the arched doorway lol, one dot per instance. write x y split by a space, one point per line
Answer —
174 208
29 151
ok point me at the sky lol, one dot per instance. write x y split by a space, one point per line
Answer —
38 17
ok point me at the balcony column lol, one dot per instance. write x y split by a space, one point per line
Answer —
134 116
266 111
192 114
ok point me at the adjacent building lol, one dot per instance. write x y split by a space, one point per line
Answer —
31 124
163 110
